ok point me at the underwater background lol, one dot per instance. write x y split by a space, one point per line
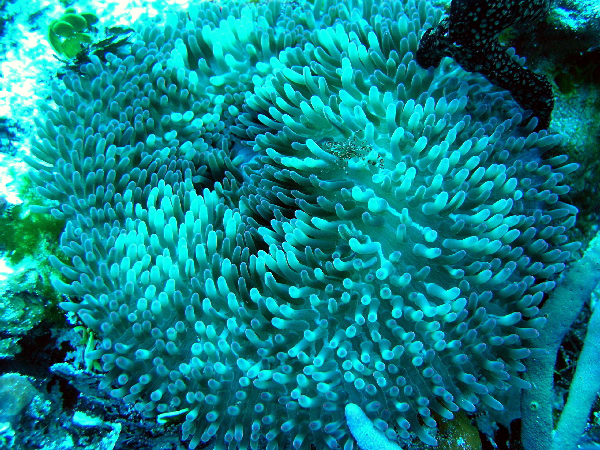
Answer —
300 224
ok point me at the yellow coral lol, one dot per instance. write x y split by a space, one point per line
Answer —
459 434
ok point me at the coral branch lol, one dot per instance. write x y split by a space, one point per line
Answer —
364 432
561 310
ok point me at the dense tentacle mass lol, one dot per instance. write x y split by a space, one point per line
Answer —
274 212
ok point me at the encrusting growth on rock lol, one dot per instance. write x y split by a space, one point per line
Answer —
470 36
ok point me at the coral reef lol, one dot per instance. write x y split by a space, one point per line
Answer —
273 212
